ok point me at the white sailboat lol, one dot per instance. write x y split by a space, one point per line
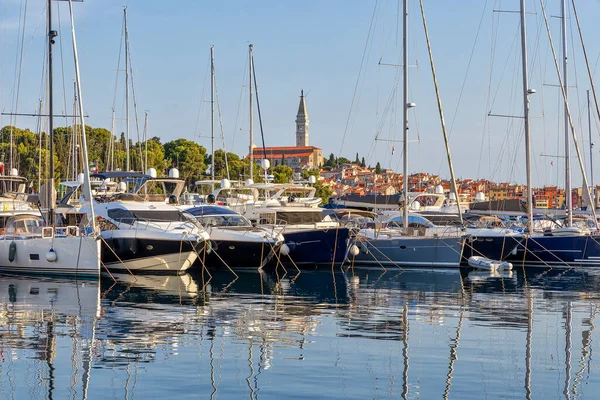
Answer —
407 246
34 245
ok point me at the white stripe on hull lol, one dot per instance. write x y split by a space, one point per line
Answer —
174 262
76 256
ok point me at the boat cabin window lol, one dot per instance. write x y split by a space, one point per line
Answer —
291 217
414 221
218 216
128 217
223 220
20 226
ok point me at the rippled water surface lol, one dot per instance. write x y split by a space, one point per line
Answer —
321 334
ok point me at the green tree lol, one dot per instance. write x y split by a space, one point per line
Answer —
378 168
187 156
343 160
282 174
357 161
362 163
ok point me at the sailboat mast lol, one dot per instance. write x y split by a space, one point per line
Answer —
526 93
212 113
146 141
50 186
87 188
112 142
441 112
593 192
250 67
405 108
39 132
568 196
74 132
127 167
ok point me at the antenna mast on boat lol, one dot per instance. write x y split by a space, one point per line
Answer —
568 190
251 127
212 115
405 109
127 167
526 93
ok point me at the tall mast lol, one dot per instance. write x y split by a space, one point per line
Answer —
441 112
593 192
212 113
111 159
568 190
127 166
39 132
405 108
74 132
50 186
87 188
146 141
251 127
526 93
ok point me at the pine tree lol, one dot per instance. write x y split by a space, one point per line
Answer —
362 163
378 168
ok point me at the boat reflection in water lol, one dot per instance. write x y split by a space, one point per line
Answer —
359 333
47 331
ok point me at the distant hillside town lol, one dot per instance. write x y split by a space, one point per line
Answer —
337 176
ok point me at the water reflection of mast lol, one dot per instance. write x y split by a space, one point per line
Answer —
453 356
568 322
586 341
529 295
405 351
251 366
49 353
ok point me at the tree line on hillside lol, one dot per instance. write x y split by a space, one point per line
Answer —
190 158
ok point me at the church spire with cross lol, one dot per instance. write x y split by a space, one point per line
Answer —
302 123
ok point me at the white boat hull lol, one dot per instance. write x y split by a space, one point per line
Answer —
75 256
165 263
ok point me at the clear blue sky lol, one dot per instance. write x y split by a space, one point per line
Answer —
318 46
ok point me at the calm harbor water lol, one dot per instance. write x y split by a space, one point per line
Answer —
324 335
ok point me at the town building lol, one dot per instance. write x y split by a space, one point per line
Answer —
301 156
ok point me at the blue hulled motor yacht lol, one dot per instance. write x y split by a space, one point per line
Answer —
292 210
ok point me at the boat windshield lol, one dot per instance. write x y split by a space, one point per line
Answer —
130 216
218 216
223 220
414 221
26 225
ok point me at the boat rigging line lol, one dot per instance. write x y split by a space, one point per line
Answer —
567 109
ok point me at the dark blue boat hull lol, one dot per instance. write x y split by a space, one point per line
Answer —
316 246
494 247
558 251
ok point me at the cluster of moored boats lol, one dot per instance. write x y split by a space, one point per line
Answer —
137 223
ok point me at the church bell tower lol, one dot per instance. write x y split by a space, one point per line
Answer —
302 123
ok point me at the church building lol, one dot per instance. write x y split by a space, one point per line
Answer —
296 157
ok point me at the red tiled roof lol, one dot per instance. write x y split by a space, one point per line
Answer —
279 155
286 148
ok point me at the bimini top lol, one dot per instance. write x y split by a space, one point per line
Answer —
119 175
